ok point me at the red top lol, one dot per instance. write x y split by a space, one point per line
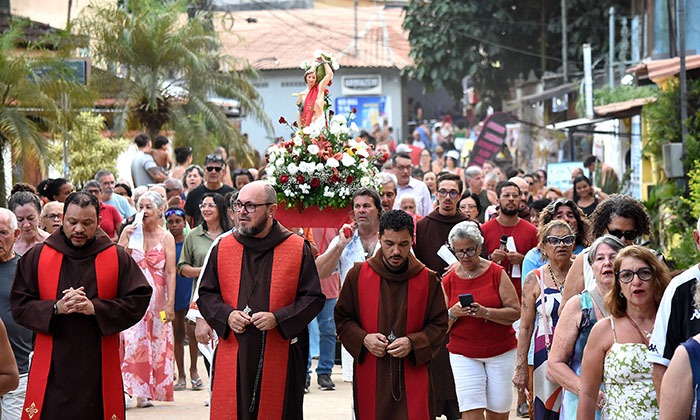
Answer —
472 337
110 218
525 236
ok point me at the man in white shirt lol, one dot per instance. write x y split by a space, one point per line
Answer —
406 183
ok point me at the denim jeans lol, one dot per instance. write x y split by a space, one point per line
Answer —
326 347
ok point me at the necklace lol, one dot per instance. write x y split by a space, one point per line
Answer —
646 335
470 274
559 284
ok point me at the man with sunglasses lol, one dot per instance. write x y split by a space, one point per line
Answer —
431 234
214 170
259 289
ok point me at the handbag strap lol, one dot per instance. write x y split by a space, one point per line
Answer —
539 275
598 299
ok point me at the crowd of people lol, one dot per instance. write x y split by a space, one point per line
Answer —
453 291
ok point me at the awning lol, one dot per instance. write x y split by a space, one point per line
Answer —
578 122
658 70
542 96
623 109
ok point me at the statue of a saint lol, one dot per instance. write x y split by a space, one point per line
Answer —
311 101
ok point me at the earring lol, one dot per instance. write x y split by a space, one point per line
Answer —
621 295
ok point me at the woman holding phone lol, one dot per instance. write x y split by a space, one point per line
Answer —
482 340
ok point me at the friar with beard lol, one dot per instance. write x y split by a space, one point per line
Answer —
259 290
77 291
508 225
391 317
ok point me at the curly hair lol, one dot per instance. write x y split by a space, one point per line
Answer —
396 220
615 301
620 205
583 226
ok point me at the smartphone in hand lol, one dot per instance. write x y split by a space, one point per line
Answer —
466 300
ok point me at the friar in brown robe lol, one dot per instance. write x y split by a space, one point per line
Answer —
74 386
392 296
242 278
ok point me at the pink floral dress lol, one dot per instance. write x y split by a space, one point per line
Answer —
147 366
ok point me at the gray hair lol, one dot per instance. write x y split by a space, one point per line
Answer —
609 240
138 192
385 178
92 184
173 183
473 170
101 173
491 176
465 230
411 196
13 218
155 198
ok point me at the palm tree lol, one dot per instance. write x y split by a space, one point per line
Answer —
170 68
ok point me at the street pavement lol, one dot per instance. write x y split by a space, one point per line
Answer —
318 404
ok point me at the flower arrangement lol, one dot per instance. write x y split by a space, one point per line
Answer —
321 165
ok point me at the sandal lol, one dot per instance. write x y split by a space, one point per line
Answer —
197 384
180 386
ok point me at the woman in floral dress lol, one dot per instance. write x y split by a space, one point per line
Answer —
616 352
147 367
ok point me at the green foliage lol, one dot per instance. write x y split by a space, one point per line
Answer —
610 95
497 41
169 68
88 150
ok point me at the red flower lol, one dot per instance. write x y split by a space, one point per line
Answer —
315 182
349 180
325 91
284 178
334 179
300 179
354 110
294 124
330 83
282 120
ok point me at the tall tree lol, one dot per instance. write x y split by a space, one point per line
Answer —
170 67
497 41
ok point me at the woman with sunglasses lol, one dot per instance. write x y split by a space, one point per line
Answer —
215 221
617 349
482 340
620 215
575 323
541 298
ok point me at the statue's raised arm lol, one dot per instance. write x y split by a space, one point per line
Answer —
314 101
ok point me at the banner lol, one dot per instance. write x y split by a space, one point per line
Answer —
370 109
491 138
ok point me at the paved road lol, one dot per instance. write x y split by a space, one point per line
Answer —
318 404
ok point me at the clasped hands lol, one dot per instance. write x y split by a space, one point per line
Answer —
378 345
74 301
515 258
238 321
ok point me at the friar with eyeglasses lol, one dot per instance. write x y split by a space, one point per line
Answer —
259 289
214 171
431 234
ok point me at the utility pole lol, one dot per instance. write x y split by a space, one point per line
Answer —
611 48
564 43
588 80
683 84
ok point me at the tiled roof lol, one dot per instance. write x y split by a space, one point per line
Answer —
282 39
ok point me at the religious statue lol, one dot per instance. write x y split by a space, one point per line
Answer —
312 101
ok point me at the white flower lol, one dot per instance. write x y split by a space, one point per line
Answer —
318 53
347 160
298 141
340 119
271 179
319 167
304 65
338 129
305 188
270 169
313 149
280 162
362 152
292 168
327 192
332 163
365 181
335 65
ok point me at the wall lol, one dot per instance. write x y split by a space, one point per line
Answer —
278 86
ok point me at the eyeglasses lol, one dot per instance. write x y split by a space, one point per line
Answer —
461 253
207 206
444 193
214 168
53 216
626 276
630 235
567 240
249 207
177 212
402 168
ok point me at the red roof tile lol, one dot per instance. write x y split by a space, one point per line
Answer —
282 39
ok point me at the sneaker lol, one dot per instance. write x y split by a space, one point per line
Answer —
523 411
325 382
307 384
